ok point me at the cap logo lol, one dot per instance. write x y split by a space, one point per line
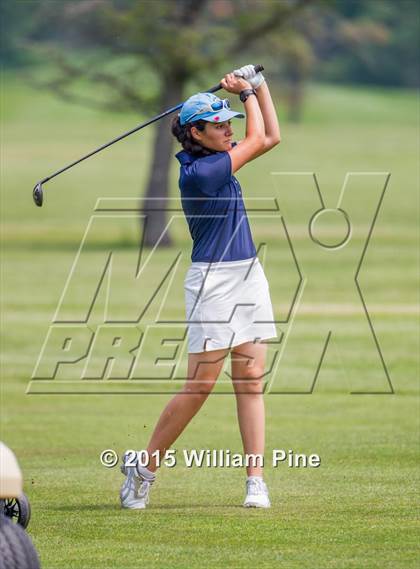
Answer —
216 118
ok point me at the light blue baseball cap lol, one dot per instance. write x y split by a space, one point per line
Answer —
207 107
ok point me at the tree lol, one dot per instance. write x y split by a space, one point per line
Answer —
170 43
14 26
372 43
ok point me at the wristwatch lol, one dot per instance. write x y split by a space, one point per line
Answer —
243 95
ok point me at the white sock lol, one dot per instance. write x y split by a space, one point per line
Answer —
146 473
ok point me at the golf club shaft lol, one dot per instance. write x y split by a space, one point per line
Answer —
217 87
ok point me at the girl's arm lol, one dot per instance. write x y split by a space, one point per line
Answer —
271 123
253 144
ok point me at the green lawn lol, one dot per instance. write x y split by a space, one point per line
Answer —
358 509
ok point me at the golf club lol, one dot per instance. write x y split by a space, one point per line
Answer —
38 191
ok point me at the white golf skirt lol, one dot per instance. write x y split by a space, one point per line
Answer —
227 304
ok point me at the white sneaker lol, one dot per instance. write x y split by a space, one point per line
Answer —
256 493
134 492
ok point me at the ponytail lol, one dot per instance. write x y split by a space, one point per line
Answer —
184 136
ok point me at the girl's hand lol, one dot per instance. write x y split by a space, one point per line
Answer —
234 84
248 73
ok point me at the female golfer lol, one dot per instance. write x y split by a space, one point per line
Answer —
228 304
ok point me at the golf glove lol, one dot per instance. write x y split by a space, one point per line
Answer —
248 73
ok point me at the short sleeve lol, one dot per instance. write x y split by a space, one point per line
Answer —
210 173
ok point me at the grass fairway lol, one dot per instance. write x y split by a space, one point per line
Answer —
358 509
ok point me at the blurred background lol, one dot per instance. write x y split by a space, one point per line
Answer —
113 62
344 76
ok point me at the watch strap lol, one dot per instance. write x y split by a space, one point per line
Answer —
243 95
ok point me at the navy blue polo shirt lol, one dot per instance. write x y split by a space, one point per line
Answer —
214 209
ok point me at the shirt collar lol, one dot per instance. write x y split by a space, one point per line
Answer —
185 157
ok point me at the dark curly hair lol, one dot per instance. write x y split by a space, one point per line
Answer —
184 136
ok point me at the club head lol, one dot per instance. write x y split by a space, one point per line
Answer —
38 194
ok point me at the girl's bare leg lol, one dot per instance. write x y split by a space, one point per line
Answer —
203 370
248 361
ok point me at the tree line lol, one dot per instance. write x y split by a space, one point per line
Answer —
147 56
